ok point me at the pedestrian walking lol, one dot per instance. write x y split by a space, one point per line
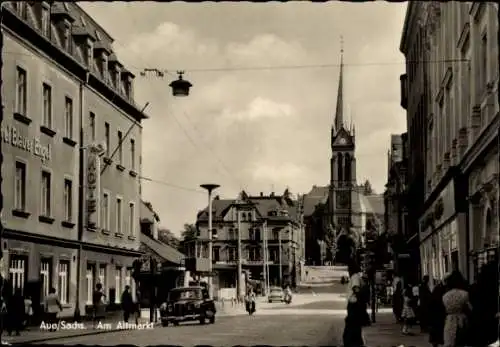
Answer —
484 323
397 301
407 314
97 304
424 296
137 305
357 316
457 305
438 315
15 312
128 306
52 308
28 311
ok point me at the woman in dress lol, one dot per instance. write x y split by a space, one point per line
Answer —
437 316
457 306
407 315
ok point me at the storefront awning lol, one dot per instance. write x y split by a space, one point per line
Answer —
164 251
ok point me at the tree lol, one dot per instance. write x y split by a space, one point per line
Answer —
189 232
168 237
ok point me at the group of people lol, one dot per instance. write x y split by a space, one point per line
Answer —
454 313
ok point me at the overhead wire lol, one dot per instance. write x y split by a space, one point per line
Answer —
190 139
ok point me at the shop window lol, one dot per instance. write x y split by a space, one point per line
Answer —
89 277
46 276
17 271
63 281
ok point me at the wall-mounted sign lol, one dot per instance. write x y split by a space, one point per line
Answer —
13 136
92 184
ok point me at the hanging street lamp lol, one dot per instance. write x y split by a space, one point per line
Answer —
180 87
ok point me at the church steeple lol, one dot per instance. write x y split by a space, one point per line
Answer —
339 112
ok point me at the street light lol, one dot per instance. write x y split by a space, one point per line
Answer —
210 187
180 87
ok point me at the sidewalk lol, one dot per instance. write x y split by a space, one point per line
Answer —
386 332
36 335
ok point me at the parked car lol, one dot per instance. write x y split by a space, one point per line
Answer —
187 304
276 294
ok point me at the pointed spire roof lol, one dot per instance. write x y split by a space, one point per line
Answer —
339 112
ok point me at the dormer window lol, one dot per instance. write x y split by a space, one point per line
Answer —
21 9
66 36
90 52
82 20
45 19
98 35
104 66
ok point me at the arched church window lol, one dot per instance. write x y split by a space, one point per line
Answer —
340 167
347 167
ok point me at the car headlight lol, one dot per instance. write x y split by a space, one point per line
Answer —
163 306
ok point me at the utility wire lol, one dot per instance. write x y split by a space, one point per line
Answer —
167 184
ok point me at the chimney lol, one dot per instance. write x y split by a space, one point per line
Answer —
261 194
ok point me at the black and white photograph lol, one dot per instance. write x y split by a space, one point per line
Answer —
287 173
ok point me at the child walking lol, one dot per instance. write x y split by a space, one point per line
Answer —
407 315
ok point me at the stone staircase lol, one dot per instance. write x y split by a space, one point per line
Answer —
323 279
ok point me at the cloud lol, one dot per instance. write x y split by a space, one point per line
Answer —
256 128
260 109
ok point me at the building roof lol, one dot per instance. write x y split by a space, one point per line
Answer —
147 213
317 195
163 250
263 204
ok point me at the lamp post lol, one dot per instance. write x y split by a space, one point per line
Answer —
210 187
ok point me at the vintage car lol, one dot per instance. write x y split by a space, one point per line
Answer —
276 294
187 304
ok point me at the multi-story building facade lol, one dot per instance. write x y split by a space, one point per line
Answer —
63 90
459 222
274 220
395 199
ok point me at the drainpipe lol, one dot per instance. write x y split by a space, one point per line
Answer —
81 201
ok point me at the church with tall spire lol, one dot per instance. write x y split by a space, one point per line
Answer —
343 207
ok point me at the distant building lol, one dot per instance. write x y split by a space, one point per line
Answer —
274 217
170 272
60 76
396 200
343 206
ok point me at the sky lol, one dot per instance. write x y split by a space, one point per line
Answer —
260 130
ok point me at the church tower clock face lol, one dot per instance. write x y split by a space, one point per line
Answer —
342 141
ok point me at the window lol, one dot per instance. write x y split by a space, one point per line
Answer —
89 276
483 63
256 234
20 187
17 272
63 281
92 126
66 37
231 254
118 284
21 90
119 216
230 235
120 147
90 53
251 234
68 118
68 200
82 20
132 154
47 106
276 235
45 21
45 195
106 135
105 212
46 276
216 253
131 222
102 276
130 283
